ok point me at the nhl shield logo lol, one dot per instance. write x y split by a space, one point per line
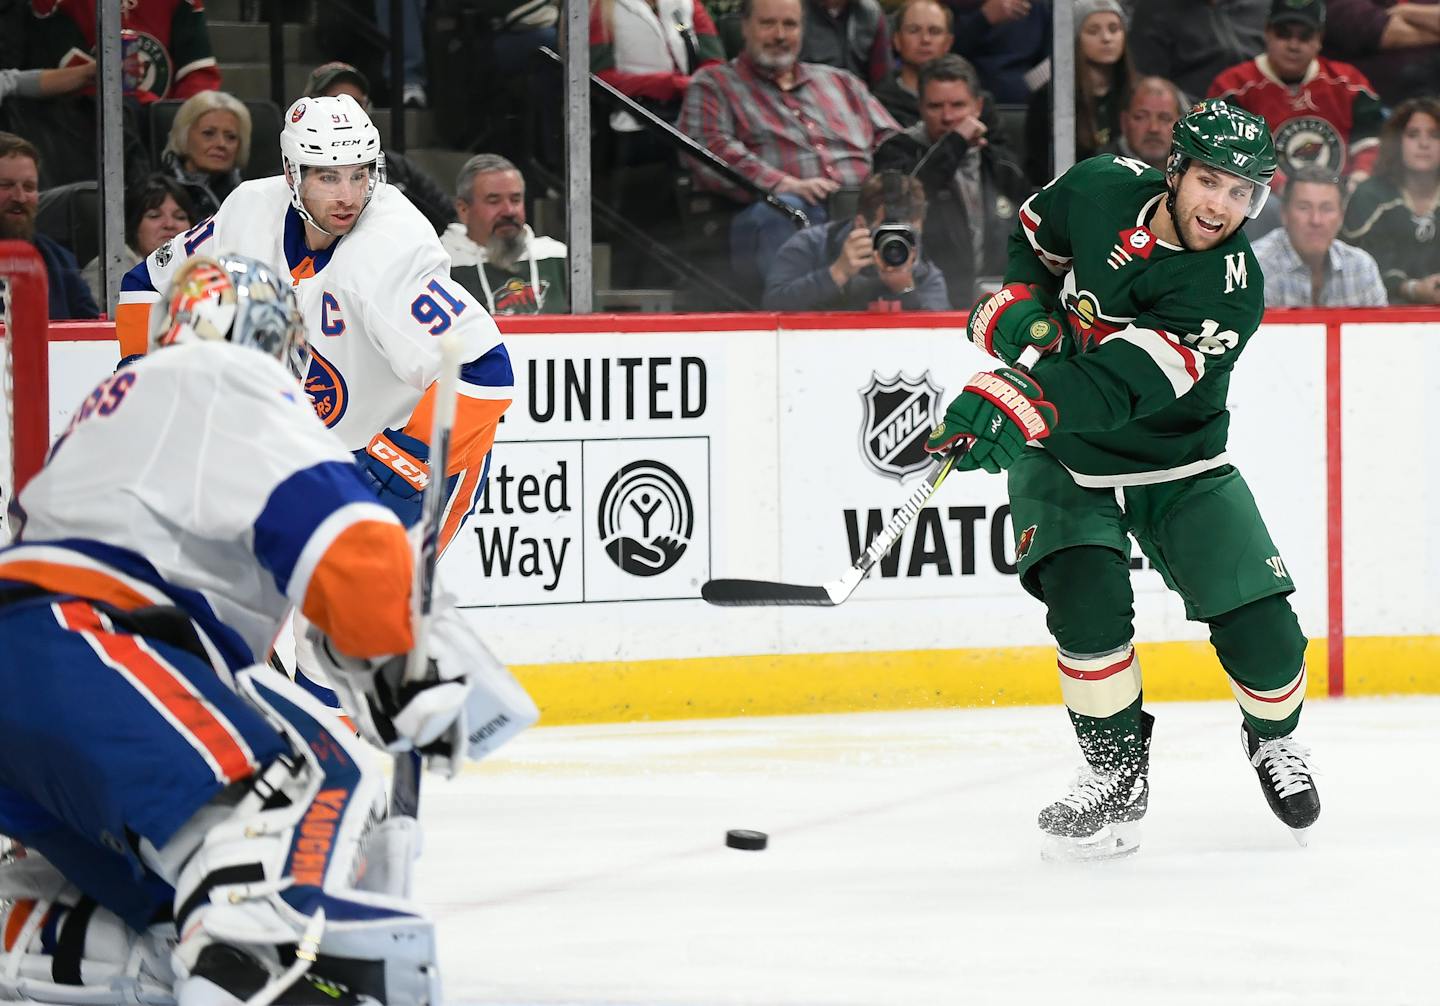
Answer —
900 412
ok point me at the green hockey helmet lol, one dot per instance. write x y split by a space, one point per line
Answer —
1227 138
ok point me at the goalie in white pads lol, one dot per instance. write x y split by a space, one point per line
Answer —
168 790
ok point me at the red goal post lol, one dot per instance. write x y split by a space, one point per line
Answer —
24 367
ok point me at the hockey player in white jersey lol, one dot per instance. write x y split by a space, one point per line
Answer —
198 827
374 286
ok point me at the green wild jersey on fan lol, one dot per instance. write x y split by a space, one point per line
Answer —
1151 330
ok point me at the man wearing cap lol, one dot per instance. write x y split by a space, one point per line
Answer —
331 79
1321 112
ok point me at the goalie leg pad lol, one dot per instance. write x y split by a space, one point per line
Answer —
276 879
58 946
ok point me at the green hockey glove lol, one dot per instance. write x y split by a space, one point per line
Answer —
996 414
1006 322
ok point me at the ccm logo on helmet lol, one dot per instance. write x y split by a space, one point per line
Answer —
347 143
399 462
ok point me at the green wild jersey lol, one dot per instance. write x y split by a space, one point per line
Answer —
1151 330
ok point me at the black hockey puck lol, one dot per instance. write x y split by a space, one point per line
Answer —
752 841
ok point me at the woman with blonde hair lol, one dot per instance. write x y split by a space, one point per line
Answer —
209 143
1395 213
1104 78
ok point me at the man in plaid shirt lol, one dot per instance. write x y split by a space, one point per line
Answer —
1304 265
800 130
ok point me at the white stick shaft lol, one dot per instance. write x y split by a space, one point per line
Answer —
432 507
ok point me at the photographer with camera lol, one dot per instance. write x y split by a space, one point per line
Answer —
973 184
874 262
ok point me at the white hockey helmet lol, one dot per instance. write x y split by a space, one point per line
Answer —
328 132
235 299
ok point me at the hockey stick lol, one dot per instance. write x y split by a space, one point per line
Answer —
742 593
405 785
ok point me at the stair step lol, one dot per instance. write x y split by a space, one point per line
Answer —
252 79
249 42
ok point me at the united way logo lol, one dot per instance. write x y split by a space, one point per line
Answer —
646 518
900 412
326 389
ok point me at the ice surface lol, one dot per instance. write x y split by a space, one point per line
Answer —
587 865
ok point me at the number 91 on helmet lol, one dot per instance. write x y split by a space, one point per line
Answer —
238 300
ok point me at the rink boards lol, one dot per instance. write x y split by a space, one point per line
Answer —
646 454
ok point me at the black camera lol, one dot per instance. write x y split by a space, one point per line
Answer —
893 243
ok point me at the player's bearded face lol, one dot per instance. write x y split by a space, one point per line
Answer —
19 197
334 197
1210 206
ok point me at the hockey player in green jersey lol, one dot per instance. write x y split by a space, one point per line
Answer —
1143 292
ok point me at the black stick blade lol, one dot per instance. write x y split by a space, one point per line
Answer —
738 593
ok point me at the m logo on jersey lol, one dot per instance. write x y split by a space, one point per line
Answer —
899 413
326 389
1235 275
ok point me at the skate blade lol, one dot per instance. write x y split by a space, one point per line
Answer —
1301 836
1113 842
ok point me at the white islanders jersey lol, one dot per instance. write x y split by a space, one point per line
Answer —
373 302
200 477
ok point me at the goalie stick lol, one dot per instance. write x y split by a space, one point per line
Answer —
405 784
742 593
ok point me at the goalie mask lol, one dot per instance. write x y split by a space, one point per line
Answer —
239 300
332 132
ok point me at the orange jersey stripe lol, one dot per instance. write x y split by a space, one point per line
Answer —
459 505
474 434
132 327
304 270
61 579
359 594
166 687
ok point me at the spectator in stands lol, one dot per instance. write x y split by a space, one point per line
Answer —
493 252
330 79
209 143
412 93
799 130
19 201
1304 264
973 186
648 52
165 44
1008 43
1191 41
46 83
849 35
155 212
1395 43
1395 214
847 266
1148 122
1322 112
1103 82
924 30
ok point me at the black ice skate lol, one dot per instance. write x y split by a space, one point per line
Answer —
1286 779
1098 818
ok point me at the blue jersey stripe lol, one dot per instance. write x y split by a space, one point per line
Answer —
297 507
233 650
138 279
490 371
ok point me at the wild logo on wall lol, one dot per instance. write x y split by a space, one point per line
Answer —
646 518
900 412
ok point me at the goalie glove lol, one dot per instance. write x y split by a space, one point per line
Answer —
1010 320
996 414
397 466
465 705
